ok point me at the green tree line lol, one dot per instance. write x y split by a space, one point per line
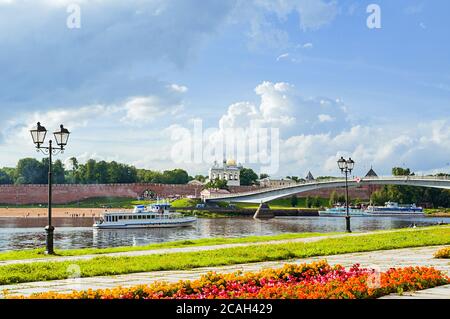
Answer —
33 171
411 194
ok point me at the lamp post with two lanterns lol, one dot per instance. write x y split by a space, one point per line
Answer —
38 134
346 167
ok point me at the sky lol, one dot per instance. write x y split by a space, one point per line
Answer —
132 80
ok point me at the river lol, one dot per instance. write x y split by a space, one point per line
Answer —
19 233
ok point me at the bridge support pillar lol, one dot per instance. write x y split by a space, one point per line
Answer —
263 212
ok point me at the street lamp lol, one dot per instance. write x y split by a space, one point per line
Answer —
346 167
38 134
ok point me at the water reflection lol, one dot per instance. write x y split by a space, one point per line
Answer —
16 233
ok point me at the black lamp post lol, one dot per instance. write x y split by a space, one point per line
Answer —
346 167
38 134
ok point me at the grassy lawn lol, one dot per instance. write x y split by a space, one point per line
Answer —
39 253
185 202
283 203
227 256
437 211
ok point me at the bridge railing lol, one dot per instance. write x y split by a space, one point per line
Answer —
330 180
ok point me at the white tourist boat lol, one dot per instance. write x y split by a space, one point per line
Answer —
394 209
156 215
340 211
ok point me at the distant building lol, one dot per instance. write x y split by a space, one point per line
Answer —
211 193
195 183
229 171
309 177
371 173
267 182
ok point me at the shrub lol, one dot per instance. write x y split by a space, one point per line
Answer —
443 253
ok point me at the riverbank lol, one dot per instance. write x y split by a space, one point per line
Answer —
204 256
56 212
74 212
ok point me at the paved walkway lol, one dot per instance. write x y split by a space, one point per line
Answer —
442 292
381 260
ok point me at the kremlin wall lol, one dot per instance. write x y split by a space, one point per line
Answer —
69 193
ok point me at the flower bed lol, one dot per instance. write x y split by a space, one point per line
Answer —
306 281
443 253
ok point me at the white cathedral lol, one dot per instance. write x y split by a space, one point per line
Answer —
229 171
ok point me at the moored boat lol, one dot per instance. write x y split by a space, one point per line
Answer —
394 209
339 211
156 215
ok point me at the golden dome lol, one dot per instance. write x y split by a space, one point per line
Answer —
231 162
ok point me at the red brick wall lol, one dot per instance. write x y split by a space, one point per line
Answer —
363 192
37 194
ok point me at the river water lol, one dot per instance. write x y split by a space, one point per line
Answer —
18 233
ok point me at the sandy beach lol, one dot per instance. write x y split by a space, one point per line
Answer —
56 212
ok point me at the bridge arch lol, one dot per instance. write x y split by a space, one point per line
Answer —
269 194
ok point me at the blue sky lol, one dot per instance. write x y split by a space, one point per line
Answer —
137 71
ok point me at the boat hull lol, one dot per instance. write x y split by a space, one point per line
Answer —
393 214
172 224
343 214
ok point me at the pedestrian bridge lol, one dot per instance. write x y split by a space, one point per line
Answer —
268 194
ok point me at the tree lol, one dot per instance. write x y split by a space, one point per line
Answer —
308 202
380 197
58 172
316 202
294 201
216 184
262 176
200 178
176 176
399 171
101 174
334 198
31 171
5 178
114 173
248 177
89 174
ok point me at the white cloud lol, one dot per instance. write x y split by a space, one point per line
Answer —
325 118
414 9
149 108
178 88
282 106
383 147
316 14
282 56
307 45
313 14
